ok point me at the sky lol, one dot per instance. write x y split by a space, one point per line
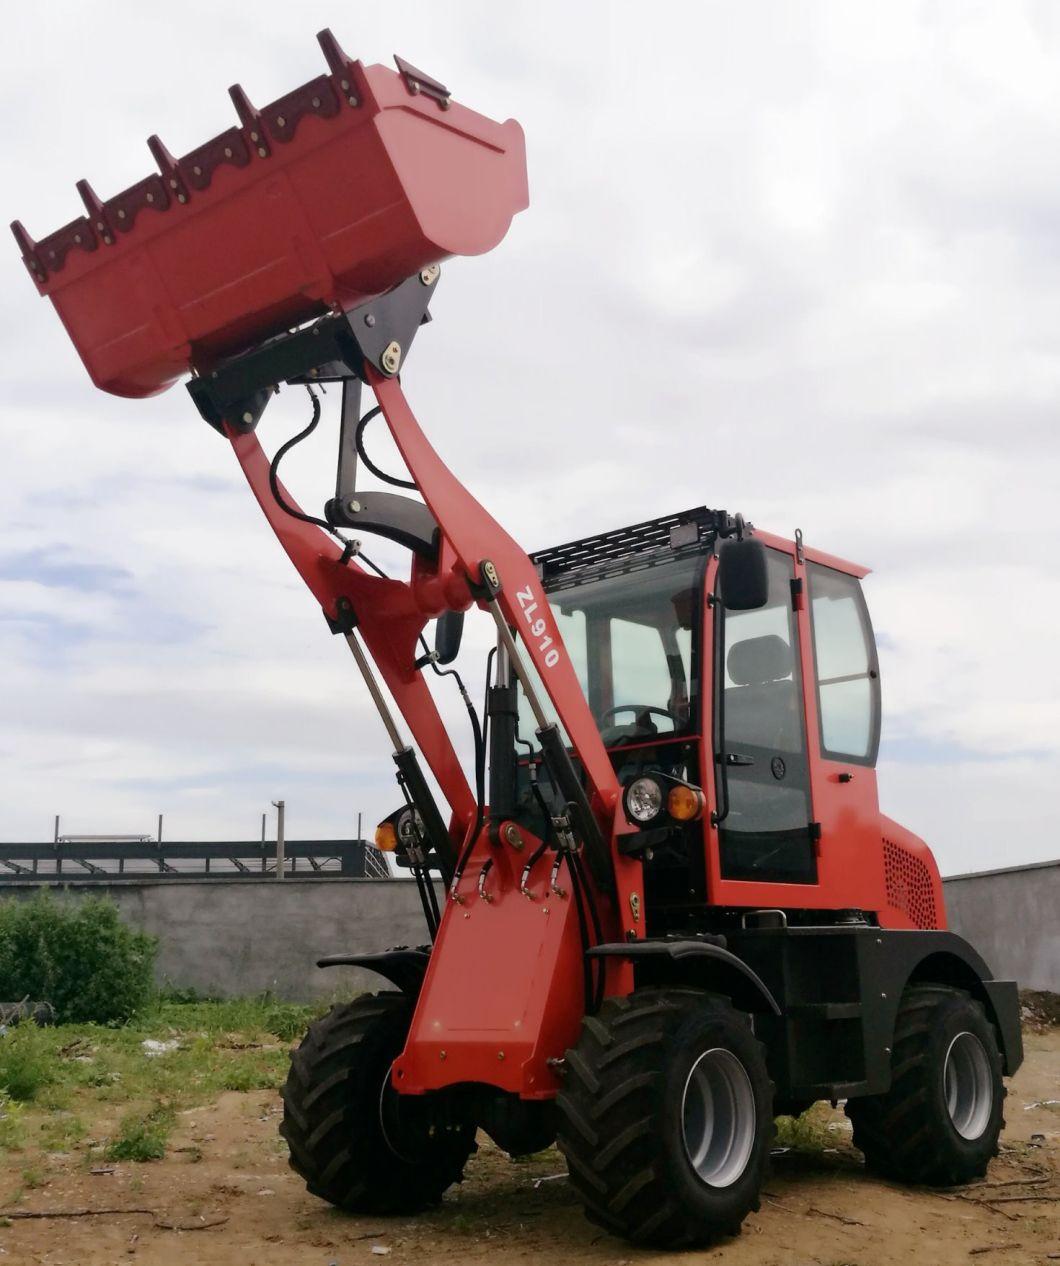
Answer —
800 261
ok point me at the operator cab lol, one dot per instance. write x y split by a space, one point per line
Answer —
683 687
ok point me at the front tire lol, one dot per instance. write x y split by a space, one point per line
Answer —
666 1117
939 1123
358 1143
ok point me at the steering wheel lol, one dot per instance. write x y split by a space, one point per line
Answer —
638 707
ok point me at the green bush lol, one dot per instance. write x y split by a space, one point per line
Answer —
77 955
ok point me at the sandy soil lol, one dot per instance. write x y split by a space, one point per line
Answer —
230 1198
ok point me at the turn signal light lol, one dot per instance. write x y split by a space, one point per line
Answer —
685 804
386 839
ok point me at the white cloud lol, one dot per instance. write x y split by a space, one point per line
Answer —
800 261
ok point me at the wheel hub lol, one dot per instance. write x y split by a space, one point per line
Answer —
718 1117
968 1085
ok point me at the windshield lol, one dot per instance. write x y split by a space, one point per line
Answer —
630 639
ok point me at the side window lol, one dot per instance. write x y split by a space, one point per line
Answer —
848 680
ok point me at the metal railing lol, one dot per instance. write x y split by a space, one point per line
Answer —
108 857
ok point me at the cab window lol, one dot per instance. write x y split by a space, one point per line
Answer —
848 679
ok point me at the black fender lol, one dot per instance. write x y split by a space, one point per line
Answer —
403 967
701 963
952 961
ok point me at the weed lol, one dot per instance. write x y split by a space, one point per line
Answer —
804 1133
32 1177
142 1137
12 1130
26 1063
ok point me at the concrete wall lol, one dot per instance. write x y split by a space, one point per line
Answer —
240 937
1012 917
231 937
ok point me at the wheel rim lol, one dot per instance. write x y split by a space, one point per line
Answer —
968 1085
718 1117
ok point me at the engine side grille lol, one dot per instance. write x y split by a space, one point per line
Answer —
909 886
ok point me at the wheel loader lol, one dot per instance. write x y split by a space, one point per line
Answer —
663 907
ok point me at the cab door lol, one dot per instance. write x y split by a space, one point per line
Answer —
763 814
842 676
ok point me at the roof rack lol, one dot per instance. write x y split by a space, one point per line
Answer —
632 548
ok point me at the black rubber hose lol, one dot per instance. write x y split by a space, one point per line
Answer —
274 466
358 440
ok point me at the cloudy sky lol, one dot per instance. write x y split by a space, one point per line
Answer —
798 260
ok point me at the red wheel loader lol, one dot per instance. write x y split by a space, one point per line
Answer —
664 906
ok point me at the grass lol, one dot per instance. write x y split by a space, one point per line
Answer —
94 1091
142 1136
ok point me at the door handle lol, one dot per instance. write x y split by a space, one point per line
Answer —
735 758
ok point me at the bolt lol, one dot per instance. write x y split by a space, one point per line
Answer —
429 275
181 197
391 357
77 238
254 137
262 152
345 85
197 170
512 836
248 417
228 151
316 103
352 100
281 121
150 197
121 215
441 1054
500 1054
172 184
353 506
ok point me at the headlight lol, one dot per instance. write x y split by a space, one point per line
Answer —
644 800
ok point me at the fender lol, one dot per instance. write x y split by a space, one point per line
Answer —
402 967
700 962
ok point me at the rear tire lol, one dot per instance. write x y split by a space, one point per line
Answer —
358 1143
666 1116
939 1123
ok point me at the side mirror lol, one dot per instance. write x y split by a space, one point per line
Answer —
447 634
743 575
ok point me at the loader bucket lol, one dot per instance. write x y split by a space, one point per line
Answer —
325 198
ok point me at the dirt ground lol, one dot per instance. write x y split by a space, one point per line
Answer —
224 1194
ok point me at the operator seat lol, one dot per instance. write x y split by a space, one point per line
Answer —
762 706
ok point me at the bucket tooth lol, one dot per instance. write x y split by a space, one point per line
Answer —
97 212
169 168
28 247
344 71
250 118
